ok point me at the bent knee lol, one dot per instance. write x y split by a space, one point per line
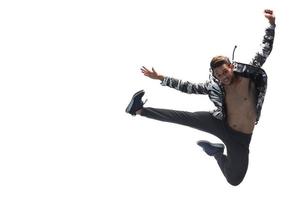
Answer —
235 180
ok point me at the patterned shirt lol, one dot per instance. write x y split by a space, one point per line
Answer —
216 92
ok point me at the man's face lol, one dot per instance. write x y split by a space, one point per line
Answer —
224 74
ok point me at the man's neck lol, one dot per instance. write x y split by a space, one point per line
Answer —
235 81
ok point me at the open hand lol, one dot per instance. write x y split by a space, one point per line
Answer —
151 74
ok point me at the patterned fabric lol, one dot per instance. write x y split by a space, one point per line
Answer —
215 91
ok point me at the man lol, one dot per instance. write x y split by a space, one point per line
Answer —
237 90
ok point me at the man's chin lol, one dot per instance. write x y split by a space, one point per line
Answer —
227 83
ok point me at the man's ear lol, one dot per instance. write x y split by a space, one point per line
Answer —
231 66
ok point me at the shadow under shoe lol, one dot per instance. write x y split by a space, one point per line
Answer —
136 103
211 148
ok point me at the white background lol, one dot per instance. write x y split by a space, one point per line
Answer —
69 69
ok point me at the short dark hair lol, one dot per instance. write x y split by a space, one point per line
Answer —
218 61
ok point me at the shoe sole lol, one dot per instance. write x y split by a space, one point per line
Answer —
131 102
218 145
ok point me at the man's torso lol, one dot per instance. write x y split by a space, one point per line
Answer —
240 105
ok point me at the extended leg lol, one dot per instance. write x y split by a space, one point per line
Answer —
203 121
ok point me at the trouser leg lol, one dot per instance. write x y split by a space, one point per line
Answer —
203 121
234 165
234 170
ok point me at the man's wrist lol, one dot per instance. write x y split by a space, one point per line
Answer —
161 78
272 22
272 25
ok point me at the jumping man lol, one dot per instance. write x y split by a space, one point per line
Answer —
237 90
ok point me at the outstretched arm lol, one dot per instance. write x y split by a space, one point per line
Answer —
183 86
267 43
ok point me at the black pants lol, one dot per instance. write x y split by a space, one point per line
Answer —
234 164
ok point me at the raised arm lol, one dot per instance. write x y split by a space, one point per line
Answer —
183 86
267 43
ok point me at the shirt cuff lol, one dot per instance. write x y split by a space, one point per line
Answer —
272 26
164 82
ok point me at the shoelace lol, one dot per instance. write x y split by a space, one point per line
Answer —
144 102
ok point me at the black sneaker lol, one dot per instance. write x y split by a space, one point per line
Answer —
210 148
136 103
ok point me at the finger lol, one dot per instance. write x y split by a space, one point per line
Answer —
144 68
154 70
269 16
144 72
268 11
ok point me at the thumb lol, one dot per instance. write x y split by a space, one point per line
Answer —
154 70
